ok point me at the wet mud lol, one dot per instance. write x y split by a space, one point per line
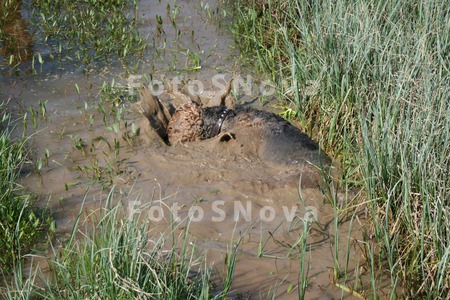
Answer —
226 192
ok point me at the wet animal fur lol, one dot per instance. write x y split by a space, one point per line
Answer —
273 138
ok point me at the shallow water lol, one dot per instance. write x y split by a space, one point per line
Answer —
231 193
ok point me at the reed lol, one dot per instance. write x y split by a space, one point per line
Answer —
370 82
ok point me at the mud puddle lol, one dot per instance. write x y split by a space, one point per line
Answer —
85 142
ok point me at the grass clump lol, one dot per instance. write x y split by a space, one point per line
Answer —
117 260
113 254
21 224
370 81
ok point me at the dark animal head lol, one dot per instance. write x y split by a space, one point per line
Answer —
213 118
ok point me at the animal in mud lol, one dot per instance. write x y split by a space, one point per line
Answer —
242 129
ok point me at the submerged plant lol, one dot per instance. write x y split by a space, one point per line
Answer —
88 31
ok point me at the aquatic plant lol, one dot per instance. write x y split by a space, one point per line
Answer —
88 31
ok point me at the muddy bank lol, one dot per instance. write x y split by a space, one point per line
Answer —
94 143
16 45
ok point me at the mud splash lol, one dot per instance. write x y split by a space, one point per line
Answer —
225 194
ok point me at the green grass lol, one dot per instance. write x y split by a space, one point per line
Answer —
370 81
22 225
114 254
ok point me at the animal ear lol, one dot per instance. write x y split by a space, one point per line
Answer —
152 106
167 85
153 109
194 98
226 99
229 102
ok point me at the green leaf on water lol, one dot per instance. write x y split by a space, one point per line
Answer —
133 128
67 184
53 226
116 127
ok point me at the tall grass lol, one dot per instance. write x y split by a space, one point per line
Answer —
113 253
22 225
370 81
117 259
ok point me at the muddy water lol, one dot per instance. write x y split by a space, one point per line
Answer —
225 194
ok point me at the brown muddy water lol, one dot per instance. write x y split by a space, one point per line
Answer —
229 193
